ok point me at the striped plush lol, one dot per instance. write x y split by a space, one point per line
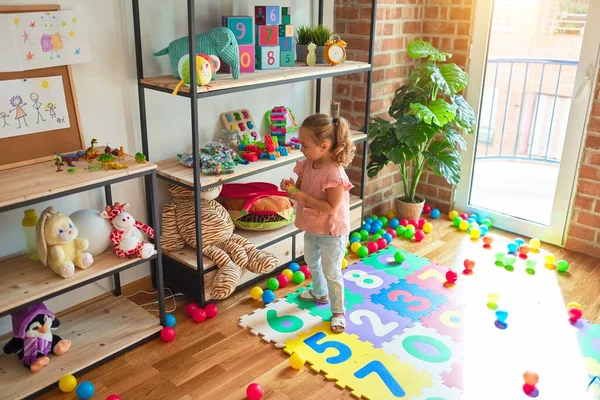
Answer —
232 253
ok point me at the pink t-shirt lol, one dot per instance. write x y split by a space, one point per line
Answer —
314 183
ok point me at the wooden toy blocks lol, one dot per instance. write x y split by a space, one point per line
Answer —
267 57
241 26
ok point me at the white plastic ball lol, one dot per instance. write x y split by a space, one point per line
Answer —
94 228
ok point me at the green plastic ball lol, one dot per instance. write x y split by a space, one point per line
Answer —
375 237
355 235
500 257
381 232
272 284
400 230
346 253
487 222
384 220
509 260
298 277
374 217
399 257
530 264
562 265
409 233
456 221
363 251
364 235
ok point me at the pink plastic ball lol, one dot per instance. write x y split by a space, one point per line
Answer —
421 222
167 334
283 280
464 216
381 243
199 315
414 223
305 270
190 308
403 222
426 209
211 310
392 232
254 391
419 235
372 247
113 397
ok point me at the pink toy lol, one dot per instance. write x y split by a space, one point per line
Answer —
305 270
126 235
426 209
451 278
283 280
574 315
419 235
254 391
211 310
190 308
372 247
392 232
167 334
199 315
421 222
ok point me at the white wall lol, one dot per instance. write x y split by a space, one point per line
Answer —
108 104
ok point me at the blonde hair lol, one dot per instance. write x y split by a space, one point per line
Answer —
337 131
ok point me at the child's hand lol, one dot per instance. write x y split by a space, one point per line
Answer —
298 196
286 184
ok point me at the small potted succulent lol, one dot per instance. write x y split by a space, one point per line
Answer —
429 118
317 34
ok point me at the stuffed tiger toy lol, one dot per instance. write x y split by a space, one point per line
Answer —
230 252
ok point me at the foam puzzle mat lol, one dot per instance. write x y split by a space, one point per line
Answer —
410 337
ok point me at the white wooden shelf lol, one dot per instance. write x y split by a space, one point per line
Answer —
96 331
172 170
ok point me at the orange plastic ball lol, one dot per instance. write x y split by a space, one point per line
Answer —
524 249
488 240
531 378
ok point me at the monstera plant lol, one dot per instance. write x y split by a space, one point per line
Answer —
429 118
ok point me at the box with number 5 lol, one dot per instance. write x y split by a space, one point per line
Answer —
241 26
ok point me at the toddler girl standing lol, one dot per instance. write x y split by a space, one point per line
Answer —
323 212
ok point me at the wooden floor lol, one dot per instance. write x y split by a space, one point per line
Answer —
218 359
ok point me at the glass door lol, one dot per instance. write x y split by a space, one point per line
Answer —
531 77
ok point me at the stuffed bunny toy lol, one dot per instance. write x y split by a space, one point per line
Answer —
58 245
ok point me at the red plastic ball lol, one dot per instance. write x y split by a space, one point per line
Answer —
574 314
254 391
372 247
464 216
283 280
426 209
211 310
403 222
305 270
167 334
190 308
419 235
381 243
421 222
113 397
414 223
451 276
199 315
392 232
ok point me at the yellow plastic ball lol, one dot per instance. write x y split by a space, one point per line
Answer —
297 361
410 226
427 227
288 273
452 214
464 225
355 246
550 259
390 214
347 244
475 233
344 263
535 243
256 293
67 383
574 304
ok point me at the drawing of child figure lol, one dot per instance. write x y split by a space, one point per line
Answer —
17 103
37 104
3 115
50 108
51 40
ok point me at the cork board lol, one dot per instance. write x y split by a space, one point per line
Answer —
42 146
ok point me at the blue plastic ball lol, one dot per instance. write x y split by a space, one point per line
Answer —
85 390
471 220
519 242
268 296
368 221
388 238
295 267
352 240
394 223
475 217
366 227
435 213
484 230
171 320
512 247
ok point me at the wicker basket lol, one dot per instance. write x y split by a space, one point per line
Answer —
409 210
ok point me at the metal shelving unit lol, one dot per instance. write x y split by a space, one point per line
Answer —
188 271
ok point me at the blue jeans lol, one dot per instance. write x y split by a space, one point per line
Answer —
323 255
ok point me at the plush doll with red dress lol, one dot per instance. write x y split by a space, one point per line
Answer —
126 236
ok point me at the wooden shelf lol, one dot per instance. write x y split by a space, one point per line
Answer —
97 331
24 280
247 81
37 182
187 255
174 171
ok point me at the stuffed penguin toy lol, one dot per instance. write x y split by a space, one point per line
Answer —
32 337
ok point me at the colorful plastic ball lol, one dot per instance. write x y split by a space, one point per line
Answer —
254 391
512 247
347 244
409 233
299 277
524 249
297 360
475 233
170 320
452 214
530 264
372 247
475 217
388 238
363 251
519 241
344 263
427 227
484 230
287 272
421 222
211 310
487 222
399 257
574 315
464 216
456 221
355 246
394 223
294 266
535 243
391 214
375 237
435 213
391 232
413 222
562 266
451 276
574 304
364 234
473 225
190 308
167 334
305 270
419 235
368 221
426 209
403 222
366 227
400 230
113 397
354 240
352 235
257 292
283 280
346 253
384 221
509 260
374 217
381 232
199 316
381 243
377 224
463 225
411 226
471 220
488 240
85 390
268 296
374 228
67 383
273 283
499 257
550 259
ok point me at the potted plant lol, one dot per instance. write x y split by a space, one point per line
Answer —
429 118
317 34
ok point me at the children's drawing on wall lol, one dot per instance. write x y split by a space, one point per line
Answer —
43 39
32 105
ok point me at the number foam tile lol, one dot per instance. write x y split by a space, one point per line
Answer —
433 277
439 392
278 322
454 377
409 300
374 324
589 341
365 280
448 319
322 311
384 260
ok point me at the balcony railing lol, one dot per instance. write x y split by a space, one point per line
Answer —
525 108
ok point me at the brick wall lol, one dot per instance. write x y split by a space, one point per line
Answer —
446 23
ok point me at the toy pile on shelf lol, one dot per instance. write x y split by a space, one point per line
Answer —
106 160
215 159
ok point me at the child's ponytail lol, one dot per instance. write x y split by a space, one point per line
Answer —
343 149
